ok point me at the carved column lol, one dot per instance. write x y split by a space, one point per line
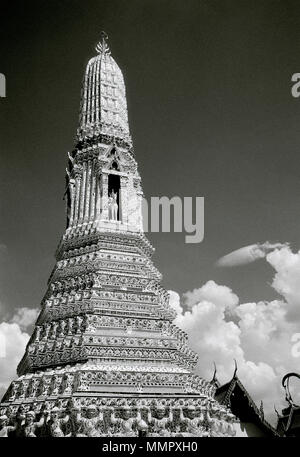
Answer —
98 104
123 199
93 192
139 209
104 195
72 196
87 191
98 197
77 196
82 193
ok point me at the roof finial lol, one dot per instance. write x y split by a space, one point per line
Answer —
261 408
214 380
235 368
215 372
102 46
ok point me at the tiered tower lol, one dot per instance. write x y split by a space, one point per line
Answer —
105 357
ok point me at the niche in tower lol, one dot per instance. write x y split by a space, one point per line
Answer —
114 186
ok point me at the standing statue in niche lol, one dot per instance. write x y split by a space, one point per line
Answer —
113 206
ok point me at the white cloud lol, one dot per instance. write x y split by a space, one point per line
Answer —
211 292
13 340
25 317
287 278
248 254
257 335
174 301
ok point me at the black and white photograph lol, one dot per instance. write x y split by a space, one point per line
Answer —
150 222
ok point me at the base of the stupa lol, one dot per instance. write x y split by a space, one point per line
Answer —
118 415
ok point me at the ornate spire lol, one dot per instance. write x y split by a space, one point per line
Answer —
104 343
103 109
102 46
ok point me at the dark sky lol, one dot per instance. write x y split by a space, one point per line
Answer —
211 114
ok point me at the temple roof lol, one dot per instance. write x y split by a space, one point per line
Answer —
235 396
103 107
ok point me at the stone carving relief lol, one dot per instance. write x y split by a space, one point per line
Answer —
96 417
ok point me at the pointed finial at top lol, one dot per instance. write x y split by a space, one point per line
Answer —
235 368
214 380
102 46
215 372
261 409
